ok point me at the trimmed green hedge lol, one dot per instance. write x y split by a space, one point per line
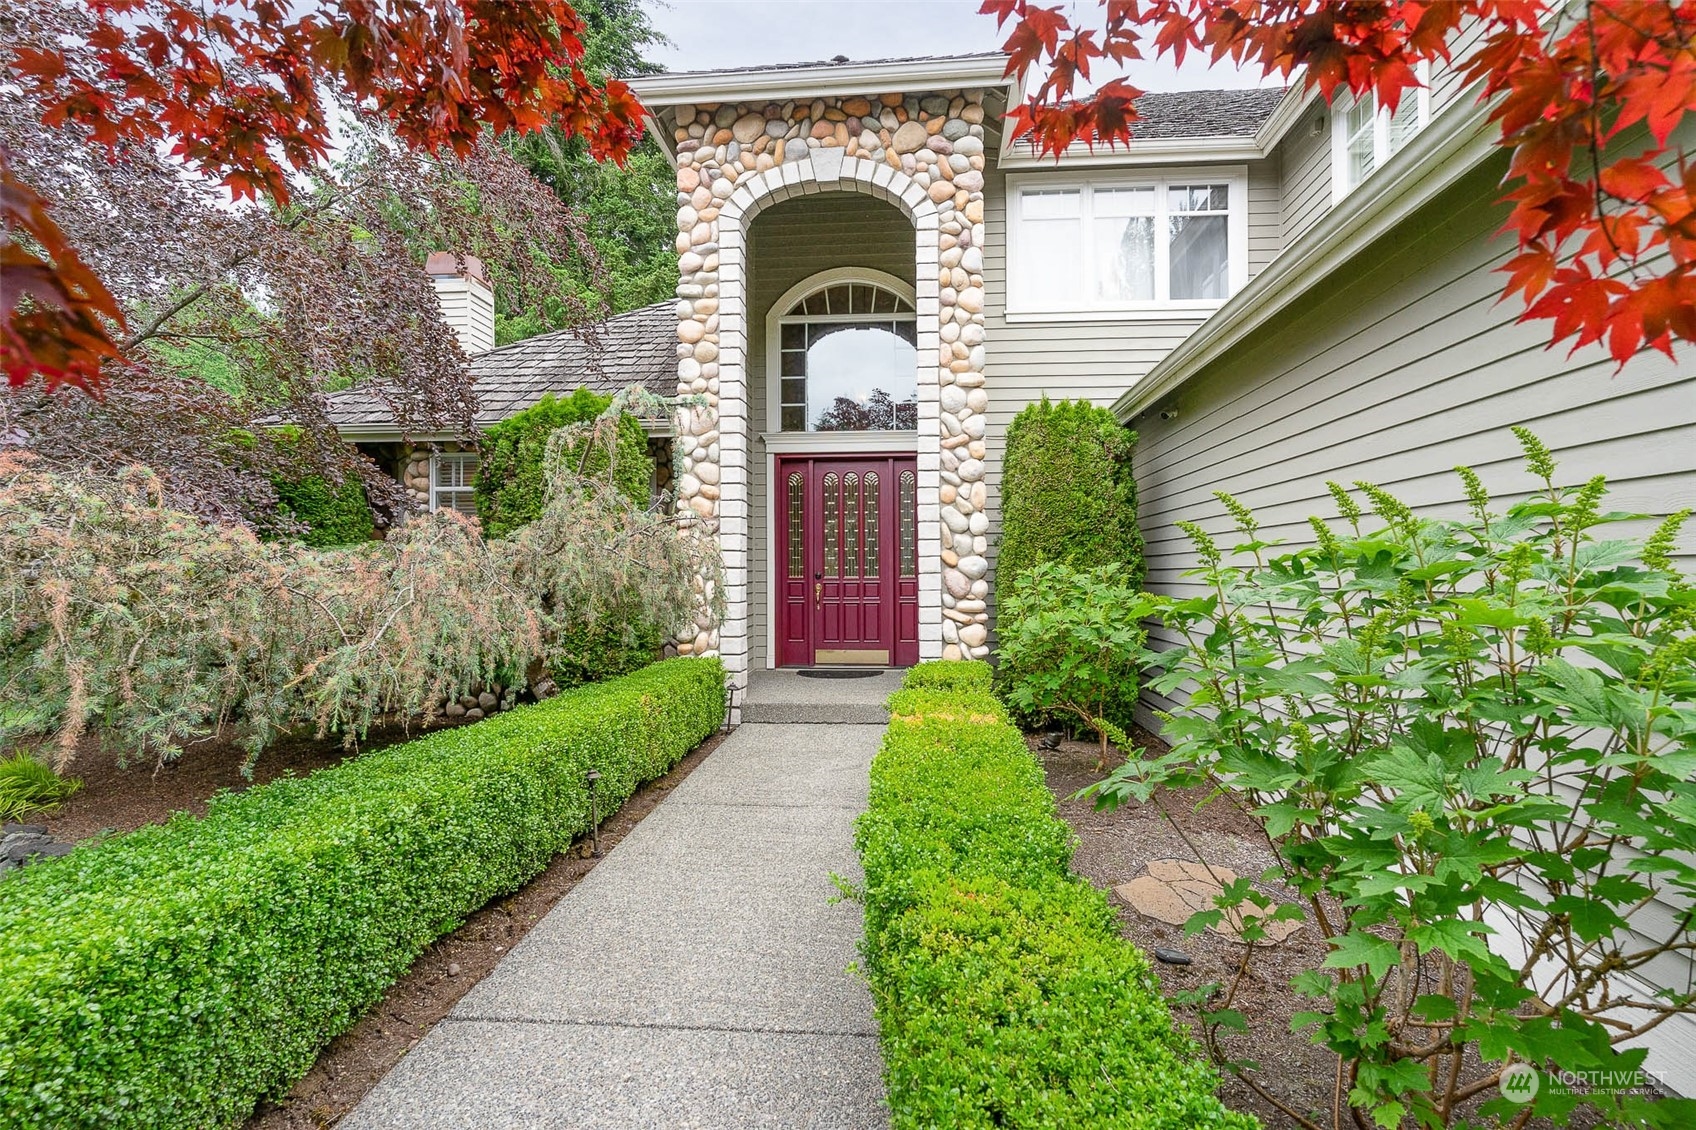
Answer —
950 675
1005 994
176 975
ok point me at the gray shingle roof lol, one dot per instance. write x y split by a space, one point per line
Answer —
1204 113
639 347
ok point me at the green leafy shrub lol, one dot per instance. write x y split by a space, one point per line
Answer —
330 514
1472 743
30 785
176 975
1072 642
1004 993
1067 497
512 482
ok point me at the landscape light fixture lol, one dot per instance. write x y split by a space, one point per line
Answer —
595 812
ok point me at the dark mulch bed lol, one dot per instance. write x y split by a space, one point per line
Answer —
1114 847
114 800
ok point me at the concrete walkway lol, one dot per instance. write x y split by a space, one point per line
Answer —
696 978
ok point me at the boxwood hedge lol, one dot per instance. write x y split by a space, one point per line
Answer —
1005 995
175 975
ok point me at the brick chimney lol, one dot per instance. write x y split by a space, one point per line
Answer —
467 299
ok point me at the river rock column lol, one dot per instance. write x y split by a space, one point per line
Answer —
925 154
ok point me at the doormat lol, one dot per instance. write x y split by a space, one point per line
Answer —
839 672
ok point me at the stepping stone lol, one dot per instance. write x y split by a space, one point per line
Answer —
1171 890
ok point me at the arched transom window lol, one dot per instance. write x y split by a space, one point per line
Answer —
848 361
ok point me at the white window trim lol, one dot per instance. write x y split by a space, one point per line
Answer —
1021 308
1340 186
778 315
436 489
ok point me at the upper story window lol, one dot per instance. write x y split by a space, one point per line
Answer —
848 361
453 478
1364 136
1124 245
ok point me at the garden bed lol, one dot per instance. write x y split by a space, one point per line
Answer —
1116 847
358 1059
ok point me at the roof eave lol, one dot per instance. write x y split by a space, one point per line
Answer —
1151 151
1448 149
827 80
1289 110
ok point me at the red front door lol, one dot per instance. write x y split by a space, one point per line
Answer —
847 561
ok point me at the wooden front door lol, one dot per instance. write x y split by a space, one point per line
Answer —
847 561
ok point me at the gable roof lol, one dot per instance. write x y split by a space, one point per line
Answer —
638 347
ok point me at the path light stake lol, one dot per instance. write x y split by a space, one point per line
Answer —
595 811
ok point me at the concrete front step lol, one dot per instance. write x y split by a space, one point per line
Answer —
787 697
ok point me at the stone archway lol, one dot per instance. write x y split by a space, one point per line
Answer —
926 159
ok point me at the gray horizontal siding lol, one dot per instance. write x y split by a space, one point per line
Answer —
1393 372
787 244
1304 161
1446 82
1092 360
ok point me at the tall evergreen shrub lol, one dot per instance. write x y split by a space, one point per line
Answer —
511 484
1067 497
1067 494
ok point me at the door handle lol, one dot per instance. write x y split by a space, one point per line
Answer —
818 595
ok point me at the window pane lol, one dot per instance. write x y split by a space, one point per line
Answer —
1123 202
861 377
1199 256
1124 259
860 299
794 418
1057 204
836 299
1404 123
796 541
871 507
851 525
832 528
907 527
1361 156
794 391
794 360
794 336
1199 197
1052 251
816 304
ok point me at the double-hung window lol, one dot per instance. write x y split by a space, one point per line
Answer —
453 477
1122 245
1365 136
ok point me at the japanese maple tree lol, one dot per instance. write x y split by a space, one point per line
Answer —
1585 96
214 212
